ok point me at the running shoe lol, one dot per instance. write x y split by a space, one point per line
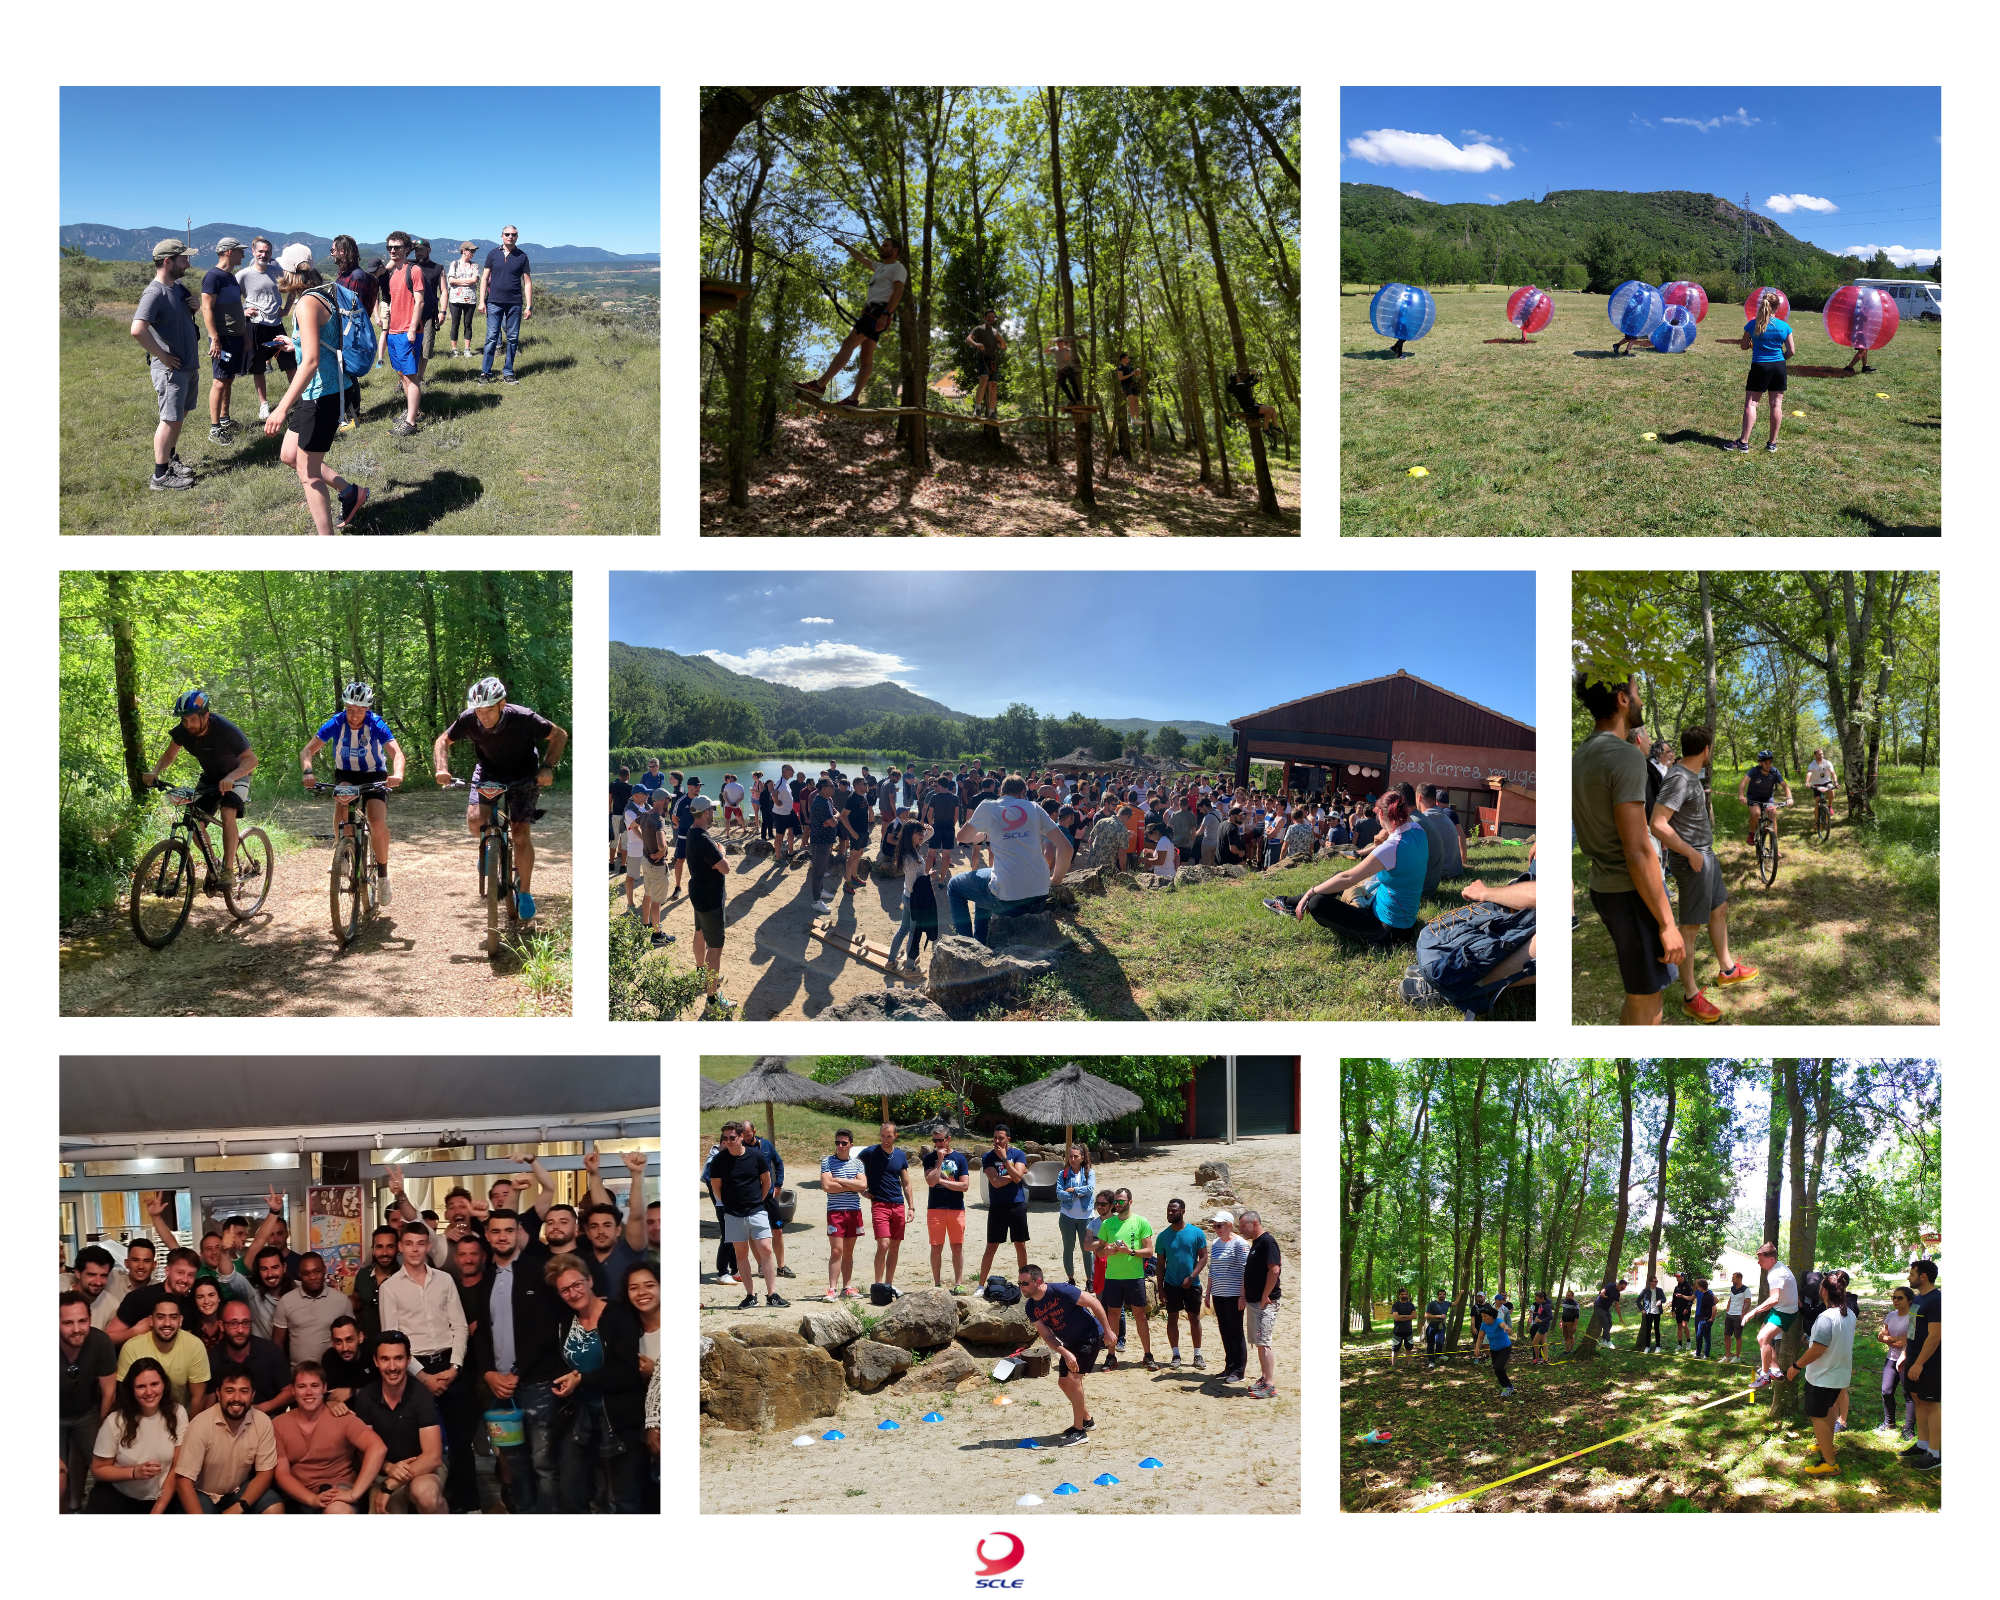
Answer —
1261 1390
1151 1365
1743 973
776 1300
1176 1360
1771 448
508 377
662 940
169 480
850 403
1928 1463
218 434
831 1294
1089 1423
1072 1435
1110 1363
1505 1394
851 1294
382 891
1739 446
1198 1361
747 1302
1819 1469
728 1278
1278 906
786 1272
402 426
263 411
1912 1453
524 906
1121 1347
719 1007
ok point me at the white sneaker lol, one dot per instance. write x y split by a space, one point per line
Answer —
263 410
1176 1360
728 1278
381 891
1197 1359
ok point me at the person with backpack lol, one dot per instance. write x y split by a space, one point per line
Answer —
361 283
1474 953
404 282
315 399
1827 1365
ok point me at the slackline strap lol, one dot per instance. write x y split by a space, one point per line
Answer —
1470 1493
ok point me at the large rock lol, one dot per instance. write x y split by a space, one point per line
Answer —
869 1364
1211 1171
1085 881
920 1321
756 1378
950 1367
1035 937
832 1328
1195 875
964 973
883 866
756 849
890 1005
994 1325
1235 869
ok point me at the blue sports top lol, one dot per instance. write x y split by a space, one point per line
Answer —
1769 345
362 749
1399 885
327 376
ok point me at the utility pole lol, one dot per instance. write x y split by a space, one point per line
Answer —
1229 1099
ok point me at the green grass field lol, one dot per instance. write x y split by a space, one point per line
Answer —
573 448
1212 953
1549 438
1451 1432
1847 934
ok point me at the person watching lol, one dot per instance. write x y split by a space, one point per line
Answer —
326 1458
404 1416
180 1355
230 1456
138 1445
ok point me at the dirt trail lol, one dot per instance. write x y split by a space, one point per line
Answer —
424 956
1223 1452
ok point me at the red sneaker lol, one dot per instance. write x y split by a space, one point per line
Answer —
1744 973
1701 1008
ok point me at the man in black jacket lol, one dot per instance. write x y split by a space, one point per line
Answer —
517 1349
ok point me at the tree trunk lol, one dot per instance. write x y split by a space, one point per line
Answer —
1660 1174
1507 1186
738 450
1785 1398
1617 1251
495 606
284 651
125 679
1067 290
1270 139
1708 661
1225 490
1368 1272
434 699
767 409
1774 1170
1461 1271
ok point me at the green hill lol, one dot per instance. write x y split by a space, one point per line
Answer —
1193 727
1591 239
825 711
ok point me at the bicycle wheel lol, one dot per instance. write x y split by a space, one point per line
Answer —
162 893
495 884
345 890
253 874
1767 855
1823 822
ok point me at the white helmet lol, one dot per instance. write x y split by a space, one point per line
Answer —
357 693
486 692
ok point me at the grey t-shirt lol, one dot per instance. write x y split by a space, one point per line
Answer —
1606 771
1682 794
1445 857
163 307
263 301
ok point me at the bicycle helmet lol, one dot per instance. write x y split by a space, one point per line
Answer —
357 693
191 701
486 692
1765 755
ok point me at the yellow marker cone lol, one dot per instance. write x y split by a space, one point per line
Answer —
1649 437
1879 395
1425 472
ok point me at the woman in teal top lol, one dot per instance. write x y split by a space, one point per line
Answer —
1396 862
1076 1189
313 401
1769 341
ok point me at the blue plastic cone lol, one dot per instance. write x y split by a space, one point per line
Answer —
933 1416
887 1425
833 1433
1028 1444
1067 1488
1104 1480
1152 1461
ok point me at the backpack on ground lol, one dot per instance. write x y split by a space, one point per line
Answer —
1000 1291
882 1294
1457 950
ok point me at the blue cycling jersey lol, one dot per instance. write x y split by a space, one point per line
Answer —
362 749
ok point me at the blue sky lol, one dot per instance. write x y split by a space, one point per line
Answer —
1848 169
568 166
1206 646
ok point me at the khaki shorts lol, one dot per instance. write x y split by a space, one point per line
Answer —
400 1504
654 878
1259 1323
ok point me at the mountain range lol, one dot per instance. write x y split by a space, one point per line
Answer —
106 243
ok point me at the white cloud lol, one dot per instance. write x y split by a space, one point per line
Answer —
1562 125
1491 195
1392 147
1897 253
1416 194
1477 137
1742 119
826 665
1798 202
828 621
1636 120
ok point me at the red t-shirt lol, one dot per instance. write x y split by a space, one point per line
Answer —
406 297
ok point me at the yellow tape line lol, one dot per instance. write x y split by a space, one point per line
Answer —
1559 1460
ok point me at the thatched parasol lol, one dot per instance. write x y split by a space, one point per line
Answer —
884 1079
712 1094
771 1083
1069 1095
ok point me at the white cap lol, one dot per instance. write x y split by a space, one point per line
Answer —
1224 1216
294 256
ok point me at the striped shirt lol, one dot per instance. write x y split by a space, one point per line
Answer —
846 1199
362 749
1226 1259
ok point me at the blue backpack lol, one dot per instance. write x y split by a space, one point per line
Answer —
1457 950
357 331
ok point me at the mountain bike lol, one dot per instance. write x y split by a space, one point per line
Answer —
1822 814
163 884
1767 846
499 883
351 884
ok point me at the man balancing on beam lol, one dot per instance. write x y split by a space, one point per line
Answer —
1073 1324
988 343
885 294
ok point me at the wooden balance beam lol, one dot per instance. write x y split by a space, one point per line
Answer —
872 413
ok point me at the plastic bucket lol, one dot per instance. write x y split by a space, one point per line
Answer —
506 1430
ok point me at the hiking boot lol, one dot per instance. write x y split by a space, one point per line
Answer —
1743 973
402 427
1702 1009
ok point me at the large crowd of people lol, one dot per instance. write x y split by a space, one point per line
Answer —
234 1376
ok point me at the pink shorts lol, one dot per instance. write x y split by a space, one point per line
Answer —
945 1226
887 1220
844 1224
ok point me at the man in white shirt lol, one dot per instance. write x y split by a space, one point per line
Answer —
1015 829
423 1303
885 294
102 1281
1820 776
785 815
1783 1305
1740 1296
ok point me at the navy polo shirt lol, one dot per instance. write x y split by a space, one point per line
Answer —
503 288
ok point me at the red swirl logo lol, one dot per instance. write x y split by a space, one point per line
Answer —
998 1564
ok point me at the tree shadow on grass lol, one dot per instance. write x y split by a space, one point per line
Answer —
418 507
447 407
529 369
1878 529
1693 436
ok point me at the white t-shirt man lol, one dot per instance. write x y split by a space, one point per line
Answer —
732 793
781 797
1786 1287
1819 774
1835 1367
1015 826
887 275
1740 1300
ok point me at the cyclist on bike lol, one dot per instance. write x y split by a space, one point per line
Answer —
361 740
1822 779
223 752
1756 789
507 739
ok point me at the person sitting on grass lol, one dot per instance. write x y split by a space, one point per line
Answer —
1499 1345
885 294
1684 822
1827 1364
1769 340
1384 886
1161 855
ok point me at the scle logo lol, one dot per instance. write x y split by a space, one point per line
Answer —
993 1564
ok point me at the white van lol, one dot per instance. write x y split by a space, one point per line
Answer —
1914 297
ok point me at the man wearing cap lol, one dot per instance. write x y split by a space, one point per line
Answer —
508 294
165 331
707 883
433 272
264 308
228 344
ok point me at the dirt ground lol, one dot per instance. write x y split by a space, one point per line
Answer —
772 967
1221 1450
425 955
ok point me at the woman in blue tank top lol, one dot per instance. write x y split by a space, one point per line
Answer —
309 415
1396 863
1769 341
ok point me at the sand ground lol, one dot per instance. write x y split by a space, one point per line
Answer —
1222 1451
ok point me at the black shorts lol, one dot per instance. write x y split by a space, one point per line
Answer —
709 925
1925 1386
263 354
940 839
873 322
1086 1358
1182 1296
522 797
786 821
1819 1402
1642 960
1538 1330
316 423
227 800
1125 385
1007 1226
985 366
1732 1327
363 780
1766 377
1569 1322
229 359
1124 1292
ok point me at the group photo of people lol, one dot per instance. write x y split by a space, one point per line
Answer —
451 1306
